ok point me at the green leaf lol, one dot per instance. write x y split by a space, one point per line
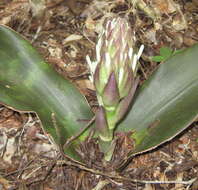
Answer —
157 58
166 52
166 104
28 84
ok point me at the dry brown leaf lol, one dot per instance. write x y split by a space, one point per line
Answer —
72 37
164 6
4 184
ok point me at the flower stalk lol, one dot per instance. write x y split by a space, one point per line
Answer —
114 74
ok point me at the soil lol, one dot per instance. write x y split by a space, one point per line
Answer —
64 32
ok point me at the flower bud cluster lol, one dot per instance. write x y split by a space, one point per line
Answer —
114 74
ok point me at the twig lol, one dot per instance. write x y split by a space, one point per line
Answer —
148 10
118 177
26 167
101 184
53 164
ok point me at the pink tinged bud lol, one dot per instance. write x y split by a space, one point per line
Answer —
110 94
108 62
100 78
103 72
101 124
97 80
126 83
125 103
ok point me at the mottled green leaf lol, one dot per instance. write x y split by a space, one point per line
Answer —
29 84
166 104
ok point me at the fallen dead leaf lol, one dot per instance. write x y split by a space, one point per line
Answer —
72 37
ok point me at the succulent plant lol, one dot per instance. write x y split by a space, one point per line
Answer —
164 105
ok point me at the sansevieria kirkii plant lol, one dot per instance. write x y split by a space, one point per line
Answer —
114 74
165 104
